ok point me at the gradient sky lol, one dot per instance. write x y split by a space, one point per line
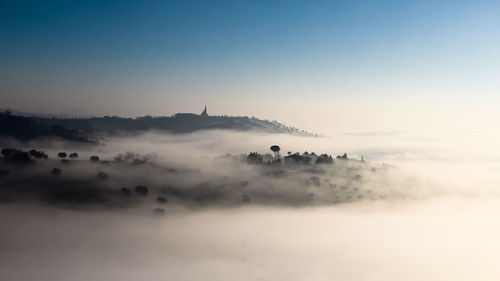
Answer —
160 57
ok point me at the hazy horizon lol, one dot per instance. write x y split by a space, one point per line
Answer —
247 58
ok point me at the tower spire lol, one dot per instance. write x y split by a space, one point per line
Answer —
204 113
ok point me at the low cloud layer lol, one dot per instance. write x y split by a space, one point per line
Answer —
432 240
191 171
409 224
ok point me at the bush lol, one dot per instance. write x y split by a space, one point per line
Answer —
125 191
56 171
159 211
141 189
102 176
38 154
162 200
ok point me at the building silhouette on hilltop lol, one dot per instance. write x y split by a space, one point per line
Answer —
192 115
88 129
204 113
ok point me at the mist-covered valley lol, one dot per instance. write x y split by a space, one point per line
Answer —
193 171
217 205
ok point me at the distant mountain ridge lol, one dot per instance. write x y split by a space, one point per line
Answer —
31 127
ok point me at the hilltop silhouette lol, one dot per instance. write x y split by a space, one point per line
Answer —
28 128
83 129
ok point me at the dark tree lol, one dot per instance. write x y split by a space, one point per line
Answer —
16 156
73 155
276 149
324 159
159 211
8 152
94 158
38 154
343 157
125 191
298 159
141 189
62 154
56 171
254 158
162 200
245 198
102 176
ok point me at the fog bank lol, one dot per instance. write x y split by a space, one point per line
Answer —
444 226
437 240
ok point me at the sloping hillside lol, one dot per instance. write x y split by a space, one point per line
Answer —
81 129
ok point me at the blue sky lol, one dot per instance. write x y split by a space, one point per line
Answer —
61 54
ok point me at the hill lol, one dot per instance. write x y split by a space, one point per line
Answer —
27 128
81 129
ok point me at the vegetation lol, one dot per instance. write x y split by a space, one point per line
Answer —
297 179
291 159
89 129
26 128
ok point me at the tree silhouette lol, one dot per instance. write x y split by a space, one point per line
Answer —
102 176
141 189
245 198
16 156
62 154
343 157
254 158
161 200
276 149
125 191
38 154
324 159
159 211
297 158
56 171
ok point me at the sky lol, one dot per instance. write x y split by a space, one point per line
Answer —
269 59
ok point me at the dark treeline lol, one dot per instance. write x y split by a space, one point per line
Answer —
179 123
83 129
27 128
305 158
65 178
